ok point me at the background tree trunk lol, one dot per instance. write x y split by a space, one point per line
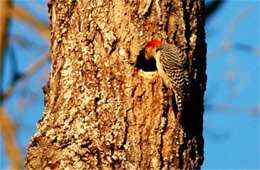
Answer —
99 112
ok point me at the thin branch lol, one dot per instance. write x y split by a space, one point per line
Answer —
247 48
23 15
26 43
216 136
253 110
7 129
29 71
212 7
226 43
235 22
14 64
237 46
4 18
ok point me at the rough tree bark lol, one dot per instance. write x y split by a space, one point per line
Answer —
99 111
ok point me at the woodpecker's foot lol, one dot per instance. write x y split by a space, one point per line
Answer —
148 74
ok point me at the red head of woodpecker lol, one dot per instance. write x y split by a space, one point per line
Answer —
150 48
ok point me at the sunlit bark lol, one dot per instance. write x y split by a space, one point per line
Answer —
100 112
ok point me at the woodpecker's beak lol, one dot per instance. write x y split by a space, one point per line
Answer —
148 52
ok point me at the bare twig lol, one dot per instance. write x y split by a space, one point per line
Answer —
29 71
234 24
238 46
25 42
212 7
253 110
7 128
226 43
23 15
216 136
4 18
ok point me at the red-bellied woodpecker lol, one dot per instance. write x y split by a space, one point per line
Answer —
172 67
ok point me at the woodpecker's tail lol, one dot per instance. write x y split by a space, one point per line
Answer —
179 102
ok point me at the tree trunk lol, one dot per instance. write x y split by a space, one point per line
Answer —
100 112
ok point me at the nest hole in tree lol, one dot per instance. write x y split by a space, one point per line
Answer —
145 65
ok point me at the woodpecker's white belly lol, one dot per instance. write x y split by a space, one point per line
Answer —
161 73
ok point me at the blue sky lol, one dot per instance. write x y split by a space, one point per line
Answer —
231 130
232 135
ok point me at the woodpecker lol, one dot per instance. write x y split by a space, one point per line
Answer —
172 67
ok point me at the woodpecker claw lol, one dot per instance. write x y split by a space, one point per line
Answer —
148 74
